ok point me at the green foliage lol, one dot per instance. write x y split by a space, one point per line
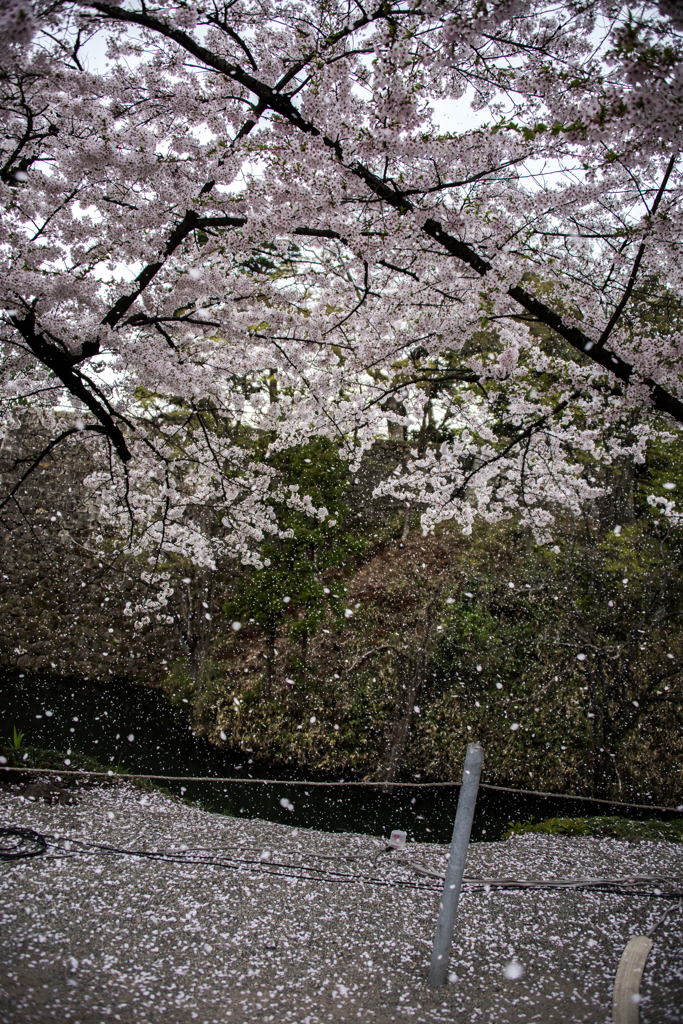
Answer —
17 739
503 664
511 620
302 581
178 684
615 827
38 757
567 666
180 688
664 472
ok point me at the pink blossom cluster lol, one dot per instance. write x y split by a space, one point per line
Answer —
253 213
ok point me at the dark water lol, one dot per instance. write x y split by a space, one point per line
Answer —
97 719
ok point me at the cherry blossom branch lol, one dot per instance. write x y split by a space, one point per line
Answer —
463 377
190 222
525 434
636 263
96 428
282 104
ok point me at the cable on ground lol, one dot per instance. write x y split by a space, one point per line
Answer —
309 872
671 910
27 843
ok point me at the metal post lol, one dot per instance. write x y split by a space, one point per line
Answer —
456 865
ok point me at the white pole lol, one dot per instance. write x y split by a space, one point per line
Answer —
467 800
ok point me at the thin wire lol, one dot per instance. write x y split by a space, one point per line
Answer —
218 778
583 799
298 782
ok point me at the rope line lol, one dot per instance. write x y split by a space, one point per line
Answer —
588 799
298 782
217 778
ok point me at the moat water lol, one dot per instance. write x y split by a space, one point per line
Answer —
97 719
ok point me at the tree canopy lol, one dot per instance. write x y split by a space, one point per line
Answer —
259 209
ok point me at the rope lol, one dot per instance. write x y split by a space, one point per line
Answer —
663 919
216 778
298 782
587 799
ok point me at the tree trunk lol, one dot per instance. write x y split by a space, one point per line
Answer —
427 429
270 657
406 524
193 605
410 674
396 430
272 385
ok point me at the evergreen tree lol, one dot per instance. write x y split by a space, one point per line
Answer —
302 581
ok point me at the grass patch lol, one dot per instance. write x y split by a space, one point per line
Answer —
38 757
613 827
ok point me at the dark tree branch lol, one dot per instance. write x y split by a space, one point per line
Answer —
636 263
369 654
282 104
190 222
97 428
61 365
463 377
399 270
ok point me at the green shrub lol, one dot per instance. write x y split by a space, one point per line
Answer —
603 827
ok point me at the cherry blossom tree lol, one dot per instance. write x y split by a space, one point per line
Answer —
256 205
208 506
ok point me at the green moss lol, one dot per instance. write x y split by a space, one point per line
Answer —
614 827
